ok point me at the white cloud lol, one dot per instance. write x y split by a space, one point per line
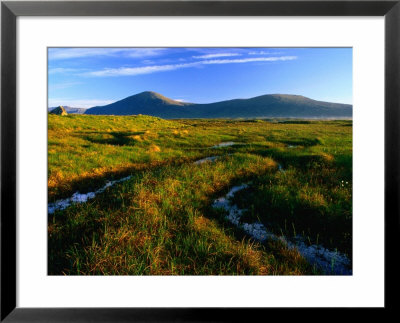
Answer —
249 60
55 102
261 52
125 71
70 53
131 71
216 55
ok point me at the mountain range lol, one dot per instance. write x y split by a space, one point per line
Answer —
264 106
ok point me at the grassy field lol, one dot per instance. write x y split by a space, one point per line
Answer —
161 221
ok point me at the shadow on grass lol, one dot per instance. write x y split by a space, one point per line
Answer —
295 122
95 181
305 142
296 158
115 138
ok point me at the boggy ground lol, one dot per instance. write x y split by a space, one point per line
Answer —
161 221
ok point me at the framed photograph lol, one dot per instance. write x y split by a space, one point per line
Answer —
170 160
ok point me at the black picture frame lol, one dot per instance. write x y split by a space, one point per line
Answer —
10 10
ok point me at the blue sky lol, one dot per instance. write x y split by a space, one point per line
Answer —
86 77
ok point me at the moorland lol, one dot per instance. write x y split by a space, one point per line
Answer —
198 196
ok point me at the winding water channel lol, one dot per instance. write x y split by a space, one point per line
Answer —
330 262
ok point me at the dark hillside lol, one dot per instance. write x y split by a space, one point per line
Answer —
271 105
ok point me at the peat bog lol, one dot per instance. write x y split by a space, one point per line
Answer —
140 195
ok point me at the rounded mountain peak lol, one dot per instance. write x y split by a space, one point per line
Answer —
156 97
150 94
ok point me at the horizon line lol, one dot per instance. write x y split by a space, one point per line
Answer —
107 102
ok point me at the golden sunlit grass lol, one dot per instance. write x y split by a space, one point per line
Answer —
154 148
160 221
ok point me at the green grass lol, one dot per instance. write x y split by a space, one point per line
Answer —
160 222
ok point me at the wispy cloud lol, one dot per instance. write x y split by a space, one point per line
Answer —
125 71
208 56
131 71
262 52
71 53
249 60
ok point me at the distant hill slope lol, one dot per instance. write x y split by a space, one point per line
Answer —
148 103
271 105
71 110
